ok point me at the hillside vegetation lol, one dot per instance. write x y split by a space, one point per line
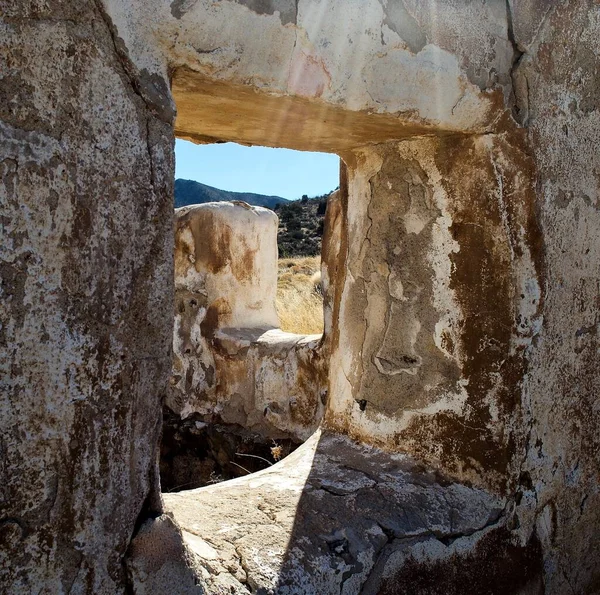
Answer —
301 226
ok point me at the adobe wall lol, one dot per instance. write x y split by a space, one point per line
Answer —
464 308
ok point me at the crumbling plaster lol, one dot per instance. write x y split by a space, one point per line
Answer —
232 364
500 203
441 292
455 81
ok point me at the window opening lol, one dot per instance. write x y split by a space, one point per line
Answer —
198 447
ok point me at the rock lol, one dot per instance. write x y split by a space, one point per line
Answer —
337 517
159 562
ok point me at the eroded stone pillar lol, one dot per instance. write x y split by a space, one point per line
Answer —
85 325
232 364
227 252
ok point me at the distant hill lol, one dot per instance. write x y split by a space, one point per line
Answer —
300 221
189 192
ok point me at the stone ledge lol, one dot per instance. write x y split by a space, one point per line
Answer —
333 517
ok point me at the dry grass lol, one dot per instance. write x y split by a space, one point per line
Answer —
299 301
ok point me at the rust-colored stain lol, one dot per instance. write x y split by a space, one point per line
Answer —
487 219
215 245
212 241
243 265
217 316
495 566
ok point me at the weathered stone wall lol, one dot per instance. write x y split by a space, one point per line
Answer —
394 70
559 104
463 309
440 302
86 160
232 364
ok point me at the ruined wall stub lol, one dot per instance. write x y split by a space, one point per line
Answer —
232 364
227 252
86 199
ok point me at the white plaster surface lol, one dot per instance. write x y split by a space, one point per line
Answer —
357 66
231 361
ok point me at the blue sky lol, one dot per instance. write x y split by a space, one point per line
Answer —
278 172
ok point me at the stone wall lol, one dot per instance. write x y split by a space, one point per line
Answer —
464 283
558 103
441 300
86 160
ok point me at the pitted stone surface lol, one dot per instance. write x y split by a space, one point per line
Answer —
86 170
473 349
560 476
325 519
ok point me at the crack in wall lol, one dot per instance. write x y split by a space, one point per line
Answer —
520 107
